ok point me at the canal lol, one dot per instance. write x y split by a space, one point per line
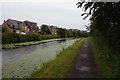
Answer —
21 62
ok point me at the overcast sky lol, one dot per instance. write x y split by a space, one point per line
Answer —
61 13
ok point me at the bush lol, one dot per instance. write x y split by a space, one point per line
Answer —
50 36
12 37
33 37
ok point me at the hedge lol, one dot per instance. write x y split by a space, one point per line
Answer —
12 37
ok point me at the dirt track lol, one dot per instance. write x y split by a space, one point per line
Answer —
84 66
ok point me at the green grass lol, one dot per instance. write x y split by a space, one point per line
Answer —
13 45
59 67
103 68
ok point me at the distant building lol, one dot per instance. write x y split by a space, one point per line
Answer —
32 26
70 30
53 29
11 25
75 30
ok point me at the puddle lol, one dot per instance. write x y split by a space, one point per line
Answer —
84 55
85 45
84 68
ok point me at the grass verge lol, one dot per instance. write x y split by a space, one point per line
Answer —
103 68
21 44
59 67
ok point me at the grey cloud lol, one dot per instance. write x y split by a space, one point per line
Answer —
63 14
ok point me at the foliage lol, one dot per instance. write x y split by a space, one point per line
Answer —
62 32
105 27
50 36
45 29
74 34
104 69
69 34
12 37
78 34
14 31
33 37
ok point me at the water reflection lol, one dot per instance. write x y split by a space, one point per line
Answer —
14 53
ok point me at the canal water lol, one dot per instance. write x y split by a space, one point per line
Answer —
21 62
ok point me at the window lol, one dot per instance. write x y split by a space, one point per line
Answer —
26 30
17 31
33 30
25 27
22 26
11 25
8 25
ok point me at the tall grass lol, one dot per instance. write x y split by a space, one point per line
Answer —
107 65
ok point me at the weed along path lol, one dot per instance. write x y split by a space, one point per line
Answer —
83 66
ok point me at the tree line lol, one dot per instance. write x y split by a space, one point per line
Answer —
64 33
104 28
13 37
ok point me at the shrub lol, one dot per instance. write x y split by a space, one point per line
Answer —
12 37
33 37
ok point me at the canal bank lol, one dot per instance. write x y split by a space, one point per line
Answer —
59 67
22 44
21 62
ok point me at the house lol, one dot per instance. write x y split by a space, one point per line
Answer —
53 29
32 26
70 30
24 27
75 30
11 25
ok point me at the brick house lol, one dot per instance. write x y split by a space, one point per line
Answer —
32 26
53 30
70 30
11 25
75 30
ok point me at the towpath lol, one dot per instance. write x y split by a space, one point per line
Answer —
84 65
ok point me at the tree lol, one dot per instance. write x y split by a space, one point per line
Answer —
62 32
45 29
105 28
69 34
107 13
105 21
78 33
74 34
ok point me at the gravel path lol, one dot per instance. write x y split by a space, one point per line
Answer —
84 66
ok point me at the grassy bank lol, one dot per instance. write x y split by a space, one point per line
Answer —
59 67
106 71
21 44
